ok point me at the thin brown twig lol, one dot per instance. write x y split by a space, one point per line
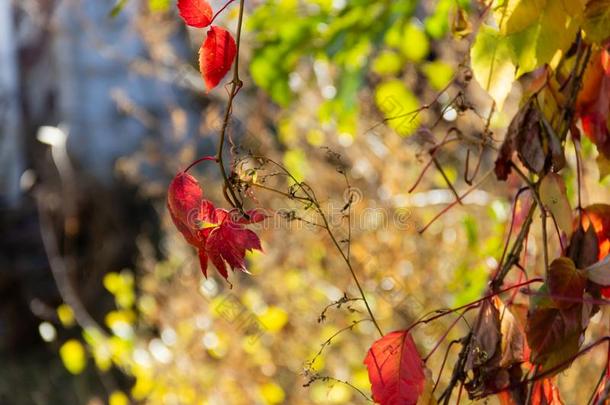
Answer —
236 85
447 181
453 204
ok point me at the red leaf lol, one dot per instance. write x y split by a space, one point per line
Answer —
183 201
196 13
593 104
216 56
218 234
396 370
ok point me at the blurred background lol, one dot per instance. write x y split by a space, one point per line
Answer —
101 104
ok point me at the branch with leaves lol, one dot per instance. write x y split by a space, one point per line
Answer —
500 354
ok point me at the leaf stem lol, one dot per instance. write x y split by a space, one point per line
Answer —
221 10
236 85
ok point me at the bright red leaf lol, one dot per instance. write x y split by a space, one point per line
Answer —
219 235
396 370
216 56
196 13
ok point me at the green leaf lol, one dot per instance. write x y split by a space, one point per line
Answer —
491 62
597 21
118 7
439 74
437 24
539 31
399 106
159 6
414 43
296 163
387 63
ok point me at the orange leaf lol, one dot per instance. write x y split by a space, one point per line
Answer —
545 392
396 370
196 13
598 215
216 56
593 104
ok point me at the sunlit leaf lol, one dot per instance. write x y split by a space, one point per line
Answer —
387 63
545 392
118 398
539 31
65 315
216 56
554 197
272 393
439 74
593 103
396 370
415 44
597 20
492 66
196 13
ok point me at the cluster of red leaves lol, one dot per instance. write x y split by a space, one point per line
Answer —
219 49
507 339
218 235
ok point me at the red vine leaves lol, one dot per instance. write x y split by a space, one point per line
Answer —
219 49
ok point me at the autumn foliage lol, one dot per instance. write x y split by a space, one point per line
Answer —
511 350
218 235
218 50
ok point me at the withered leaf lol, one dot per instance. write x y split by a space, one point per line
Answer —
583 248
566 283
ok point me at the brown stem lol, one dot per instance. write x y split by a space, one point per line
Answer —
236 85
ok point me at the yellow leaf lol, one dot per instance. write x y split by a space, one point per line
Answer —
597 20
414 43
553 196
439 74
539 31
73 356
399 106
387 63
274 319
272 393
65 315
118 398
